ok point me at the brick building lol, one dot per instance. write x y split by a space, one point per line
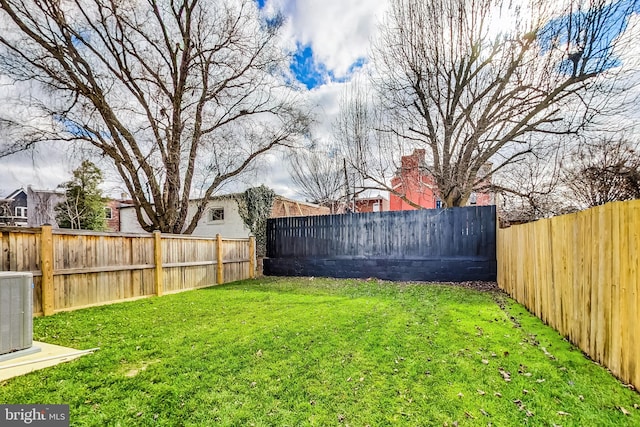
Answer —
112 211
418 185
372 204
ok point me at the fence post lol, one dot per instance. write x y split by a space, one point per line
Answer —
220 265
252 257
46 266
499 274
157 257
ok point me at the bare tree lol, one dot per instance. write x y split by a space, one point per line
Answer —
6 213
319 176
451 82
603 170
532 188
371 157
179 94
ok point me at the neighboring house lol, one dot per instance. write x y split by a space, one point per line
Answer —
283 207
377 203
361 204
41 206
112 211
221 216
34 208
13 209
418 185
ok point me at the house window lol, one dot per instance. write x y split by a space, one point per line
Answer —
473 199
376 207
107 213
438 204
216 214
21 212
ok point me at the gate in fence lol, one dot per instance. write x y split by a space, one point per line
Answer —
455 244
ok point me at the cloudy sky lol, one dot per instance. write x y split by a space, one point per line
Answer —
329 41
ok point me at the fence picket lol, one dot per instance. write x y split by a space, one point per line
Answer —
580 274
82 269
441 244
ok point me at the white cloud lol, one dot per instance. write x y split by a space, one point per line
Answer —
338 31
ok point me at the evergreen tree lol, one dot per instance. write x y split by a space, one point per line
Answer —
83 207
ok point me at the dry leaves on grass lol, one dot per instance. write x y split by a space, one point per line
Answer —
475 285
549 355
624 411
505 374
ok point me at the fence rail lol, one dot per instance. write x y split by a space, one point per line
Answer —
438 244
580 273
75 269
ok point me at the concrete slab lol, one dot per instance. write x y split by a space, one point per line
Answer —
49 355
19 353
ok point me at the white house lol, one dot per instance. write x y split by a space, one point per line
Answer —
221 216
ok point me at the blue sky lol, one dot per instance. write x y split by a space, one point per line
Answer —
328 40
598 53
311 72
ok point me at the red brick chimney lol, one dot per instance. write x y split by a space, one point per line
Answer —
414 160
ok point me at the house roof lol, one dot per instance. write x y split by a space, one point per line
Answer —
231 196
15 193
286 199
57 192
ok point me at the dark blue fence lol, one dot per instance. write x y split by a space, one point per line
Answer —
456 244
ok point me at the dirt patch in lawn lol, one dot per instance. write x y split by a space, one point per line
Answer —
476 285
472 284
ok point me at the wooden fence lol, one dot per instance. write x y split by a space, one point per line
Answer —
434 244
74 269
580 273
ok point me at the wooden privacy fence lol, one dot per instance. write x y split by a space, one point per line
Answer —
75 269
580 273
454 244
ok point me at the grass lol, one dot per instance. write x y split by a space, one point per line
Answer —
321 352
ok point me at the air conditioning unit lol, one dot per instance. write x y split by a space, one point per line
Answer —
16 311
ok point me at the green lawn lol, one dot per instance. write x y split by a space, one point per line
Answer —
321 352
